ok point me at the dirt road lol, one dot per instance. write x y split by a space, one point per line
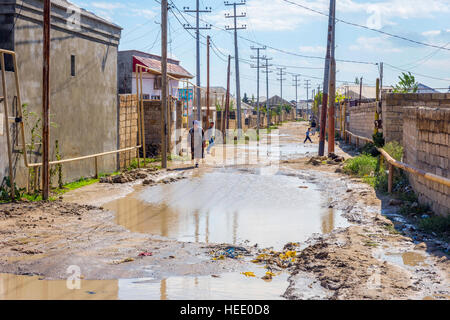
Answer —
366 259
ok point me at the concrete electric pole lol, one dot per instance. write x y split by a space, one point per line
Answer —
332 86
258 66
236 56
326 77
296 84
45 103
197 29
266 66
164 95
307 86
281 79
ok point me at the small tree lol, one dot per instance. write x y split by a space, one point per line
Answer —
245 98
407 82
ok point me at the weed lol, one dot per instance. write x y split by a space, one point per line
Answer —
362 166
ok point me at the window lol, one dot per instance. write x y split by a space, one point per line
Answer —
72 65
157 83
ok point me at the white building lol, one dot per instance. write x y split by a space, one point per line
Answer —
151 78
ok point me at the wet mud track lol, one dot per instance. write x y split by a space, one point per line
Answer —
348 250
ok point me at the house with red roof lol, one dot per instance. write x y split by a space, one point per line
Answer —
128 61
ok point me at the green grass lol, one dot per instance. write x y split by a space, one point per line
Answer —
362 166
437 224
394 149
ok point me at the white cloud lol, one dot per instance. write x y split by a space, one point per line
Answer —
374 44
144 13
312 49
108 6
431 33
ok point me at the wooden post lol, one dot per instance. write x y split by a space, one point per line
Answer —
142 116
164 95
96 167
207 79
46 102
377 117
360 90
227 99
5 103
138 108
390 177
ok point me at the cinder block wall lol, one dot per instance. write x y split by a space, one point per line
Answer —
392 109
128 128
152 123
361 119
426 141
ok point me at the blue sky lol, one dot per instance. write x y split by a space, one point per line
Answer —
284 26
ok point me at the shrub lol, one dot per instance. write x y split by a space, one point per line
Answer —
361 166
395 150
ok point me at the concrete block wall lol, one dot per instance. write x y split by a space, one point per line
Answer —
361 119
152 122
128 128
392 109
426 141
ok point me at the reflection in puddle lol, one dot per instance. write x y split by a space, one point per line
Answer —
13 287
411 259
230 206
226 286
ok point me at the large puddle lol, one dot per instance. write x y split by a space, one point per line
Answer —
230 206
224 286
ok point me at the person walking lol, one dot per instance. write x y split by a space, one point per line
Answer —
210 136
196 139
307 136
313 126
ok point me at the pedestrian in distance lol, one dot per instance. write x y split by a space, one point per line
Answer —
313 126
210 136
196 139
307 136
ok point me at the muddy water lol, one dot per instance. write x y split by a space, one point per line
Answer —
230 206
224 286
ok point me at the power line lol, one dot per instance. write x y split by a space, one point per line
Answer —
418 74
368 28
285 51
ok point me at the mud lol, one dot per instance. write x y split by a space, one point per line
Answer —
367 260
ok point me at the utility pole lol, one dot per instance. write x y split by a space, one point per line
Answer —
258 58
227 98
267 65
318 103
307 85
323 115
360 90
197 32
332 86
296 84
281 79
236 56
207 78
164 98
45 102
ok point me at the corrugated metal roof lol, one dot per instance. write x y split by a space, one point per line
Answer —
155 65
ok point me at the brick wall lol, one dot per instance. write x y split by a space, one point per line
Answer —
361 119
128 127
392 109
426 141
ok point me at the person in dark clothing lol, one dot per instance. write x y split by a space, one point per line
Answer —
210 137
196 139
307 136
313 126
